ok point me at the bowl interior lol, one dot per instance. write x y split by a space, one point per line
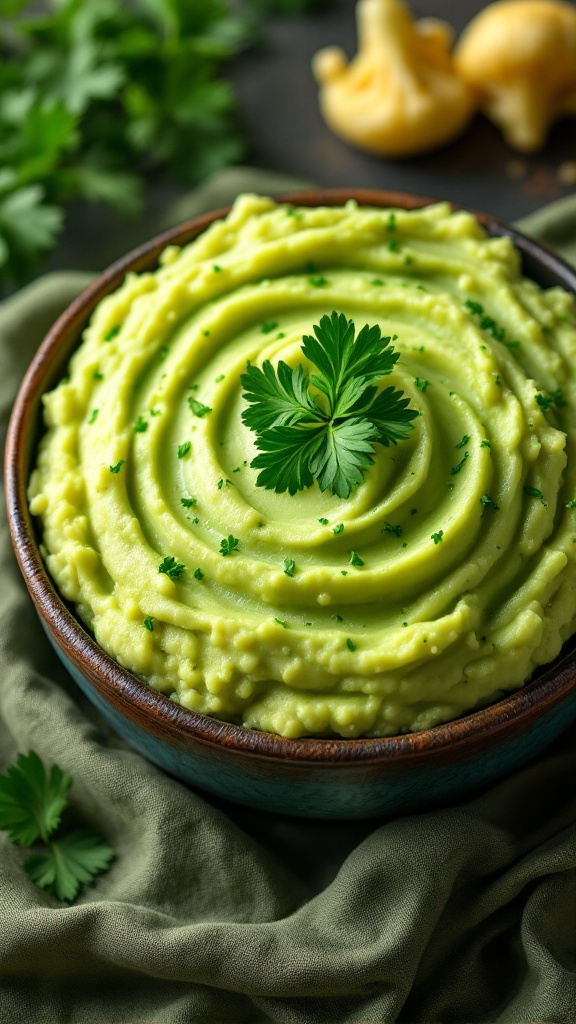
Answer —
133 697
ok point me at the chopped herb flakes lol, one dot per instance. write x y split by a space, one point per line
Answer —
184 448
93 415
216 268
396 531
281 623
198 574
463 441
571 504
198 408
267 326
317 281
393 245
289 566
350 644
171 568
338 529
533 492
228 545
149 623
117 467
323 521
141 426
219 378
485 443
487 502
355 559
188 502
552 398
421 384
437 537
97 375
112 333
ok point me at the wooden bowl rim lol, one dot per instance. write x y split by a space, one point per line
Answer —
134 698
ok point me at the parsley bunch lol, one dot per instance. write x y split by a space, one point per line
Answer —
323 427
31 804
97 95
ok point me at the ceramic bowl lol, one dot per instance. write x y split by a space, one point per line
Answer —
323 778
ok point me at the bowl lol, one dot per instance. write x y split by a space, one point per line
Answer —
320 778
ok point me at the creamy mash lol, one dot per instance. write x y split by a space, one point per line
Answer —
249 605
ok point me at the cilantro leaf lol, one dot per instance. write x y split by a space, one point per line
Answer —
31 800
68 862
324 427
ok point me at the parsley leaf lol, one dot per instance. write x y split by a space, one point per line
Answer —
31 804
31 800
171 568
323 427
289 566
228 545
69 862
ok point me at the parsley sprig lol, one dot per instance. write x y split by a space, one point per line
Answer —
31 804
323 427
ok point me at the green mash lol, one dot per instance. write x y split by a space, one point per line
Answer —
438 585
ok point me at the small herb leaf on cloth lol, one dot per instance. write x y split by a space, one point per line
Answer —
32 800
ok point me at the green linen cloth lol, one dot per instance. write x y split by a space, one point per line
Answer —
213 913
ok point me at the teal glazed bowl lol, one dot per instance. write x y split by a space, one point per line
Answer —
309 777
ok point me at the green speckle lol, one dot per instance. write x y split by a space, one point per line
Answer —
463 441
93 415
391 222
377 282
97 375
141 426
117 467
485 443
317 281
393 245
149 623
350 644
267 326
533 492
113 332
281 623
289 566
323 521
338 529
198 574
571 504
456 469
220 377
395 530
188 502
487 502
437 537
355 559
216 268
184 448
421 384
198 408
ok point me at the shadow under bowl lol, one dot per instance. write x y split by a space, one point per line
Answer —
319 778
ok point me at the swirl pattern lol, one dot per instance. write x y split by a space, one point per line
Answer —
437 586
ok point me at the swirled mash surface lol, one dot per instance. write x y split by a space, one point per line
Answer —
466 531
